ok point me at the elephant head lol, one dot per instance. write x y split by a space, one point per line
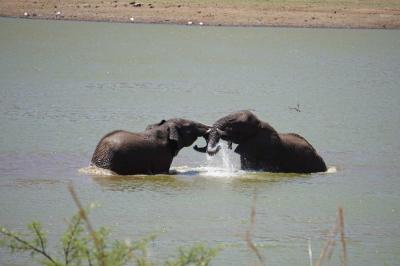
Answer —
234 128
179 132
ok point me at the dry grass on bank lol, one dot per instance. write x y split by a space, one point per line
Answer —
292 13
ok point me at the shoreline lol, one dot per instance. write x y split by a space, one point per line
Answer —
196 25
234 13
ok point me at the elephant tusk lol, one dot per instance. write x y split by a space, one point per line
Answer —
222 133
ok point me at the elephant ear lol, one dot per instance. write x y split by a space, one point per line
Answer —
173 133
175 139
152 126
161 122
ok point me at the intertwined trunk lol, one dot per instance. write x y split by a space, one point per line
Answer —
213 145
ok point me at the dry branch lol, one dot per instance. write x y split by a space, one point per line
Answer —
342 237
248 238
89 226
330 243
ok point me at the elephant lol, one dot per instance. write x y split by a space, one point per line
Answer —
147 152
261 147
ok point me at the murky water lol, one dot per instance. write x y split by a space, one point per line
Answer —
65 84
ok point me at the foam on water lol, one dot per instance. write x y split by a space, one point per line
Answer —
207 171
331 170
94 170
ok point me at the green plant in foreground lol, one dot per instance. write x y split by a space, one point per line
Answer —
78 248
82 245
197 255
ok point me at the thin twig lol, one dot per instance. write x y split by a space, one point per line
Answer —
88 257
20 240
67 249
248 238
40 237
89 226
342 237
329 245
310 252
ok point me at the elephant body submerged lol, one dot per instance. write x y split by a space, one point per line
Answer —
261 147
148 152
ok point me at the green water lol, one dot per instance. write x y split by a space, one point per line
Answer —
65 84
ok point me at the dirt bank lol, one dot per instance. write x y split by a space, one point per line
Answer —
289 13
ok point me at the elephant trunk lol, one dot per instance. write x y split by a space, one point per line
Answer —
214 135
203 130
213 145
216 132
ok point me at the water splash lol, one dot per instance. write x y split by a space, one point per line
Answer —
223 164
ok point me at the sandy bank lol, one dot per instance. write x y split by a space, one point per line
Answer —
288 13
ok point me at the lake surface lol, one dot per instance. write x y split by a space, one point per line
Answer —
63 85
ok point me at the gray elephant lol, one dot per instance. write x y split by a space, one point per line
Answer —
261 147
148 152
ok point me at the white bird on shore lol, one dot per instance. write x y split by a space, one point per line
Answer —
58 13
201 23
26 14
190 23
132 19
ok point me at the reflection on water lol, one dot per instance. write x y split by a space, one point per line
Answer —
140 183
187 178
